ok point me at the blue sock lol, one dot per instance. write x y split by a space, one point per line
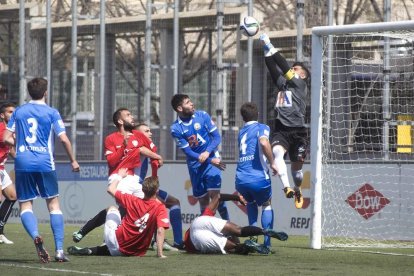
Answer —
222 209
29 222
176 224
252 213
267 222
58 228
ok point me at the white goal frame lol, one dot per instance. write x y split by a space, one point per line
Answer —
316 110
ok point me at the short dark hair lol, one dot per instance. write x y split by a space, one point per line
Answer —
37 88
177 100
6 105
301 64
249 112
117 115
150 186
137 126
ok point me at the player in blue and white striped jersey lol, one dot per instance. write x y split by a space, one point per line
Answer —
253 179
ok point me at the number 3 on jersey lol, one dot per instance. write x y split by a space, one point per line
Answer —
33 128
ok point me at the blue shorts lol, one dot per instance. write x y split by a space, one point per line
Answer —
204 178
29 185
258 192
163 195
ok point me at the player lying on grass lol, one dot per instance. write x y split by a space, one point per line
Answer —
132 235
210 234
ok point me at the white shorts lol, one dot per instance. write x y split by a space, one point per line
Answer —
113 219
5 179
129 184
206 234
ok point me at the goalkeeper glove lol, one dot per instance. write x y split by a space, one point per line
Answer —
267 45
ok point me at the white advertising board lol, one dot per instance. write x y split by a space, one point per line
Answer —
83 195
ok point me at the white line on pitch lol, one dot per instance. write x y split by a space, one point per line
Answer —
53 269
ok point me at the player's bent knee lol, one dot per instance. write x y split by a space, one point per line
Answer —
112 209
267 203
173 201
297 177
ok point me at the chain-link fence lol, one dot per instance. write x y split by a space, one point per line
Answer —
133 62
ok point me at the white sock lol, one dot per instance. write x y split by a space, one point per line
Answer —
278 153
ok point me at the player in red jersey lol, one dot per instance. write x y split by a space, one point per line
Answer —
132 235
209 234
171 202
7 187
124 148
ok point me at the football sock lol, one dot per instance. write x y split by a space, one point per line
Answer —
252 213
5 211
93 223
267 222
278 153
29 222
176 224
58 228
248 231
222 209
101 250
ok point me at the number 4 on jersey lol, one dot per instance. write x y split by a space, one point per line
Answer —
141 223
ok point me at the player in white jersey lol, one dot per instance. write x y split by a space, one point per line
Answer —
32 129
252 173
209 234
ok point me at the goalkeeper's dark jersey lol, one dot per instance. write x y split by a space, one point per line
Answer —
291 101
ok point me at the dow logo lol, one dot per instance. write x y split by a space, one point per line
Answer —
367 201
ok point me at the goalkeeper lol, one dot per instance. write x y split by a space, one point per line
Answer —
290 134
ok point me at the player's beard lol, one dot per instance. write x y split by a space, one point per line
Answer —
129 126
188 113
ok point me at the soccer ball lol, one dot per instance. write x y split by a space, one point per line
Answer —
249 26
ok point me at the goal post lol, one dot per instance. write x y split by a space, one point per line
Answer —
362 120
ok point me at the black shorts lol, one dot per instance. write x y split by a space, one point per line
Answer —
293 139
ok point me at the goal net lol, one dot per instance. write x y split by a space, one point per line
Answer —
362 135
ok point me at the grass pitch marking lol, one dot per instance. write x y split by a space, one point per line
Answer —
53 269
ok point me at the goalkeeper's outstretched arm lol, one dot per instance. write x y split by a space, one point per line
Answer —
274 59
